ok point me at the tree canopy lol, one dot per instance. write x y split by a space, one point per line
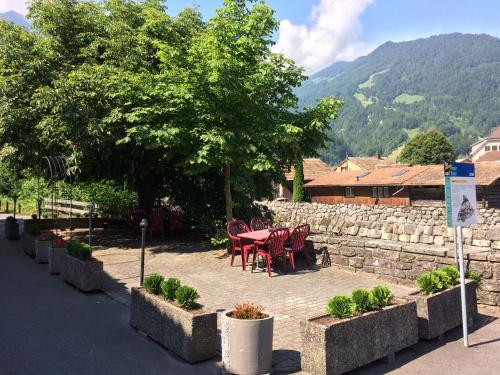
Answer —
428 148
164 104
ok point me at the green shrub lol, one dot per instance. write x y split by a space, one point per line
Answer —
380 296
453 274
169 287
79 250
433 281
152 283
474 275
33 229
220 238
340 307
361 300
186 297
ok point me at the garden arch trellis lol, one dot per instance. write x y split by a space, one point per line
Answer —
55 169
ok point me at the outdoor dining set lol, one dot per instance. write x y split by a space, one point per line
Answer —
272 244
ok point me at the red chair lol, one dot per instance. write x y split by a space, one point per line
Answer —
260 223
273 248
234 228
156 222
176 222
137 216
297 244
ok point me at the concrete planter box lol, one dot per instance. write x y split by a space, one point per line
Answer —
442 311
343 345
55 254
42 250
28 244
189 334
247 345
83 274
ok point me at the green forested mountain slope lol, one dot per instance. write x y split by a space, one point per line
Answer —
447 82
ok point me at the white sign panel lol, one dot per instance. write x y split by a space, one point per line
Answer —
460 191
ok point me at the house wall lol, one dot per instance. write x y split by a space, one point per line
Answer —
362 195
348 165
480 149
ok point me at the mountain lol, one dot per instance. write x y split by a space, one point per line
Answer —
447 82
15 17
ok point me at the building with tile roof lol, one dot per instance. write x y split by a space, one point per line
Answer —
399 185
485 146
361 163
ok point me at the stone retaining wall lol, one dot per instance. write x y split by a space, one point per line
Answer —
424 225
403 263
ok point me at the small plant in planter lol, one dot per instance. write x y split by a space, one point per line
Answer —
358 329
168 313
254 354
79 268
439 301
58 247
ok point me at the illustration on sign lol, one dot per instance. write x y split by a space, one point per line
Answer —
460 192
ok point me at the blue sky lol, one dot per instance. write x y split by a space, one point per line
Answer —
317 33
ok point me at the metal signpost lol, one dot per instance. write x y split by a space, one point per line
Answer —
144 226
460 193
90 206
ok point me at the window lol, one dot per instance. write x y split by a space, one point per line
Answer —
349 192
494 148
380 191
362 175
400 173
487 148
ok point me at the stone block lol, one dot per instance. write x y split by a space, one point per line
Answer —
386 254
347 251
491 286
414 238
384 263
493 234
442 312
405 257
487 298
494 258
333 250
495 245
390 246
399 274
481 243
356 262
340 260
403 266
365 253
384 271
438 240
353 243
425 250
404 238
192 335
483 267
371 336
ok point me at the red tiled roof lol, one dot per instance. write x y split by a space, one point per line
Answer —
313 168
429 175
366 163
495 133
490 156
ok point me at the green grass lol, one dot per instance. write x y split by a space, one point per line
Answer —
370 82
365 102
408 99
27 207
394 155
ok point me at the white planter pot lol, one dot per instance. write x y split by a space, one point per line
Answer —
42 250
247 345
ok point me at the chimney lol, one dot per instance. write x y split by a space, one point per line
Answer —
377 155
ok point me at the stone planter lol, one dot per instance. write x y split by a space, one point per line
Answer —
442 311
247 345
11 229
28 244
83 274
338 346
55 254
42 250
189 334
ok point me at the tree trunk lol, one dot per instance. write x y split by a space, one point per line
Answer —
298 181
227 192
145 187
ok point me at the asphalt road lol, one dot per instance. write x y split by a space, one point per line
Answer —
49 327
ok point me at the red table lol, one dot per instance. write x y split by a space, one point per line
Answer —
258 235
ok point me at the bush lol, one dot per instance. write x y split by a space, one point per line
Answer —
169 287
186 297
380 296
340 307
79 250
453 274
220 238
361 300
152 283
476 276
248 311
433 281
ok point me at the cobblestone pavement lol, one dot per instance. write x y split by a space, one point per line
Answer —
292 297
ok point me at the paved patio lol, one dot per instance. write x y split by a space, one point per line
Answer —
292 297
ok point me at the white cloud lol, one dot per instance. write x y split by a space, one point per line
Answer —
333 35
20 6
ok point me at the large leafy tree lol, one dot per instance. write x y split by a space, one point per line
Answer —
428 148
130 94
